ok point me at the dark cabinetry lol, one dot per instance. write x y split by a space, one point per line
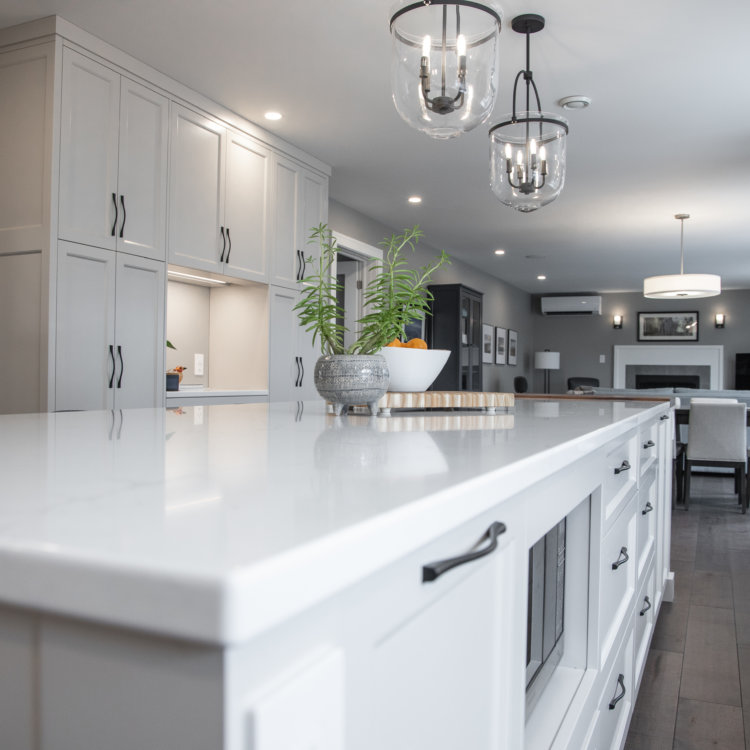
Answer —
456 324
742 372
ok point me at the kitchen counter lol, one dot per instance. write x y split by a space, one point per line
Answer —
198 522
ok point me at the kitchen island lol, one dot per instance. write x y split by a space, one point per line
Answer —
252 576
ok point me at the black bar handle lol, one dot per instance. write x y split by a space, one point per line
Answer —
434 570
622 559
618 698
302 374
112 356
649 444
664 416
624 466
124 214
223 244
114 223
647 607
647 509
298 275
296 380
304 265
122 366
229 239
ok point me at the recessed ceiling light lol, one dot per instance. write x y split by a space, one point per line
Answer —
542 278
499 252
574 102
273 115
415 199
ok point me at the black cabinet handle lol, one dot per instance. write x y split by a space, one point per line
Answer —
664 416
298 275
296 380
223 244
622 559
122 366
302 371
618 698
647 509
124 214
647 607
229 250
434 570
114 223
649 444
112 357
304 265
624 466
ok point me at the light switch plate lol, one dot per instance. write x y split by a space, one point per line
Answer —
198 365
602 359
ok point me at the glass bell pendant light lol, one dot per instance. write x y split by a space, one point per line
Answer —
678 285
527 149
444 63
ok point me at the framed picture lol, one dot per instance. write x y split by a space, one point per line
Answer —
501 354
487 335
512 347
668 326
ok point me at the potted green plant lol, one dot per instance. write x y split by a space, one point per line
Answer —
395 296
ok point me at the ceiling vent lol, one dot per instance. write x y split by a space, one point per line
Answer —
571 305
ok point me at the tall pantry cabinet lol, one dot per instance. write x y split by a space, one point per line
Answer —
109 170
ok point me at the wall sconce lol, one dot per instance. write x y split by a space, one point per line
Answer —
719 320
617 321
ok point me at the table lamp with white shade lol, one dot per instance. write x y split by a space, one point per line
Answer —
547 361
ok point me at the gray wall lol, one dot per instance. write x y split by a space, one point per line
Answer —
502 305
581 341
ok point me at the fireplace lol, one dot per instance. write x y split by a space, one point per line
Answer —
667 381
672 361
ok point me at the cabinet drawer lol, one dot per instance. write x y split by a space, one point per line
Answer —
621 473
644 619
646 514
648 445
616 701
617 575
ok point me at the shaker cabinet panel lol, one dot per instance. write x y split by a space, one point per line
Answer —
142 194
85 357
246 203
88 151
196 209
139 332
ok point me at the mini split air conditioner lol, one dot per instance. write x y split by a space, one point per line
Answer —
571 305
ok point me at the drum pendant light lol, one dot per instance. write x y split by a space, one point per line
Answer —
527 149
680 285
444 63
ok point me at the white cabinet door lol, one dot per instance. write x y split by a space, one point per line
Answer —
246 208
291 357
88 211
142 179
313 210
196 191
286 260
85 366
139 332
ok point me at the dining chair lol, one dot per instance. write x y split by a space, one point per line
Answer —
718 437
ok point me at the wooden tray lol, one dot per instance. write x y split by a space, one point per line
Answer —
486 401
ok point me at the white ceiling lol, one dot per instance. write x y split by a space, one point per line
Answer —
668 130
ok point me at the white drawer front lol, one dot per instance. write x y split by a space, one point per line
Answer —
620 478
646 515
648 446
644 619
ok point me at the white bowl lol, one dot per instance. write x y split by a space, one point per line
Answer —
413 370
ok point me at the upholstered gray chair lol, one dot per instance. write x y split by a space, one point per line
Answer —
718 437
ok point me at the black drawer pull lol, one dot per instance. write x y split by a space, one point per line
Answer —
647 509
434 570
649 444
622 559
624 466
618 698
647 606
664 416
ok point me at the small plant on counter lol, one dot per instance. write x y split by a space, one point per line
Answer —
395 296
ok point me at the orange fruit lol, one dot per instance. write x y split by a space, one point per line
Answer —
416 344
395 342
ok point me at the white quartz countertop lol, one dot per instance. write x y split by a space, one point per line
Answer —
216 522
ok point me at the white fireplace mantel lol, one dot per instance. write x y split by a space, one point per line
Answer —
670 354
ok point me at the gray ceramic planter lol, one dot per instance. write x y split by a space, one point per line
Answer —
347 379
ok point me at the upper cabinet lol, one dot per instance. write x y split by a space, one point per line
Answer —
113 160
218 198
300 203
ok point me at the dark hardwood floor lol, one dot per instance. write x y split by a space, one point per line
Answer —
695 692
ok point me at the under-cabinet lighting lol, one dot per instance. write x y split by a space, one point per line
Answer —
194 277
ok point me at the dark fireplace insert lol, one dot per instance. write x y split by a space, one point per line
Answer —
667 381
